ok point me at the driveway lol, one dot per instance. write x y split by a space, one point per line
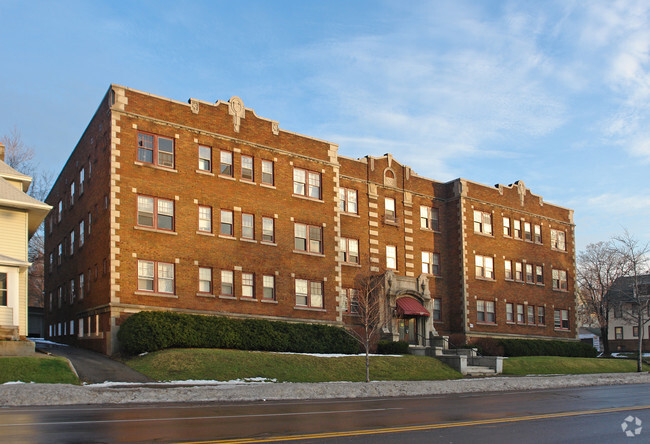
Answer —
93 367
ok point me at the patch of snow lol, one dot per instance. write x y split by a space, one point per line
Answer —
256 380
143 354
332 355
629 355
45 341
13 382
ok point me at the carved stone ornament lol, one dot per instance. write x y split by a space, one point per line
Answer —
521 189
389 178
194 105
237 111
275 128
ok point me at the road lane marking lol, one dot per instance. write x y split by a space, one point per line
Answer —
420 427
194 418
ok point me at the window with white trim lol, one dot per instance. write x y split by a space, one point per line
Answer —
507 266
348 200
485 312
541 316
510 315
389 209
227 282
520 314
268 229
531 314
247 226
430 263
4 290
484 267
528 234
247 168
156 277
205 158
429 218
205 280
156 213
539 274
308 238
519 272
561 318
225 167
205 219
248 285
507 230
437 309
156 150
226 222
537 232
558 240
309 293
391 257
482 222
530 278
267 172
350 301
268 284
349 250
306 183
559 280
517 228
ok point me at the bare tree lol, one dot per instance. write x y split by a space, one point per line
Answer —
635 305
599 265
369 304
21 158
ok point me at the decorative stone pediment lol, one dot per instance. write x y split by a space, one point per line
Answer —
237 110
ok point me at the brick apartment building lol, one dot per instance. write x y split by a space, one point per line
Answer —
207 208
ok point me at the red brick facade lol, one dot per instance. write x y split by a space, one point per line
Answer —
145 248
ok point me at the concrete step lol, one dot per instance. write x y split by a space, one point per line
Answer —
477 370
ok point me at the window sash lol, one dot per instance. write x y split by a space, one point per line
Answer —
205 280
247 226
299 181
391 257
508 269
541 316
510 315
268 229
268 283
520 314
227 282
247 285
389 205
247 168
267 172
506 226
531 314
146 275
314 185
226 222
225 166
437 310
205 158
205 219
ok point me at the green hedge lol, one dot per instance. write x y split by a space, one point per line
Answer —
535 347
149 331
393 348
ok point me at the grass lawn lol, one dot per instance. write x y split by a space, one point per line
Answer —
224 365
544 365
36 369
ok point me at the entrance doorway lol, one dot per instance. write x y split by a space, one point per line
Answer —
410 329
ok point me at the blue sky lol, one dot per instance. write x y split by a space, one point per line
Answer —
552 93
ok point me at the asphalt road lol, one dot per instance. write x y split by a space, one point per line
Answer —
589 414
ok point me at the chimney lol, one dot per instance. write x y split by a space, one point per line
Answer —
2 152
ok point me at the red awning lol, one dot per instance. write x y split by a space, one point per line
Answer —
410 307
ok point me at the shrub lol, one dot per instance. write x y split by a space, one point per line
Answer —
488 347
536 347
393 348
149 331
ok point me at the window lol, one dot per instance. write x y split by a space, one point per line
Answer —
306 183
268 282
391 257
484 267
205 280
247 168
60 212
349 250
247 226
635 331
71 242
82 175
309 294
507 265
539 274
308 238
156 277
482 222
559 280
485 312
156 150
227 283
530 278
389 209
348 200
517 228
205 158
528 235
520 314
558 240
81 286
562 320
506 227
531 314
51 263
72 193
82 234
350 300
247 285
437 309
226 222
226 163
541 316
519 272
510 316
60 257
205 219
618 331
429 218
268 229
4 290
267 172
430 263
90 220
537 230
155 213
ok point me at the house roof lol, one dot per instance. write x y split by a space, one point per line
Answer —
8 172
10 261
12 197
622 289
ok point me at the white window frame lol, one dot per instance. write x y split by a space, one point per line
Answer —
484 267
205 219
391 257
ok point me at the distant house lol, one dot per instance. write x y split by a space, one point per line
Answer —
20 217
623 331
591 336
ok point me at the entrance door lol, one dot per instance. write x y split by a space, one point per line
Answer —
408 330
